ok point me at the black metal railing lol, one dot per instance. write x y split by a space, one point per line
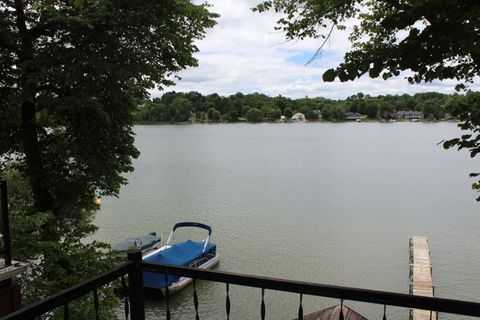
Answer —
134 293
383 298
5 250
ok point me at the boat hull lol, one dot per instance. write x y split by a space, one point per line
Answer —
183 281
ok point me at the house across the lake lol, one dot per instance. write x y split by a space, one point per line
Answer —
354 116
298 117
409 115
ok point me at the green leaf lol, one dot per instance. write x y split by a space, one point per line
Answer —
329 75
375 71
78 3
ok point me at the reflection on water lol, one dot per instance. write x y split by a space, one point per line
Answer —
328 203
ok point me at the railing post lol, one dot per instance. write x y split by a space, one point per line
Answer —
135 283
5 223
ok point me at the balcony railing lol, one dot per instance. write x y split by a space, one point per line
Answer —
305 288
134 295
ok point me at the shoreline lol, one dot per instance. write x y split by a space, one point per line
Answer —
151 123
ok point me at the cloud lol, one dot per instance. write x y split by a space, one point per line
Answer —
244 53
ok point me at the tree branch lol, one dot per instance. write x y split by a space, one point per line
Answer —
323 44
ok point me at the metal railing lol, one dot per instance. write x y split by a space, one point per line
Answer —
134 294
384 298
134 298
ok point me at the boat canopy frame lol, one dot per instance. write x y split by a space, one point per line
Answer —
190 224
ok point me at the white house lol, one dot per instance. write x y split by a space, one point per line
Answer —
298 117
409 115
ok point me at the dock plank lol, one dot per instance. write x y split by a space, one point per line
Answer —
421 275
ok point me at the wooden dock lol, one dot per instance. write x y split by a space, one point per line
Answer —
421 275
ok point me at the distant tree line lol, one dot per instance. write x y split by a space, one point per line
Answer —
257 107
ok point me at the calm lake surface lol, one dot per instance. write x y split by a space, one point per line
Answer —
327 203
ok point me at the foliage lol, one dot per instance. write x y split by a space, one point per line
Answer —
273 113
430 109
333 112
435 40
151 111
467 109
254 115
213 114
236 106
180 109
55 265
288 112
73 66
73 73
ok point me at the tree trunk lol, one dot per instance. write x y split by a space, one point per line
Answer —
35 170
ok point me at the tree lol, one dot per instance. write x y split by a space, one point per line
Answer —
333 112
181 108
74 66
288 112
369 107
467 109
201 116
385 110
254 115
430 109
197 100
234 107
214 101
213 114
72 75
283 102
355 102
151 111
273 113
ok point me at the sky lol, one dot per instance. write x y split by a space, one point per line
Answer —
243 53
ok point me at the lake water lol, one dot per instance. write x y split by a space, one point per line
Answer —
327 203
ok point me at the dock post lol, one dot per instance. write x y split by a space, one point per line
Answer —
135 284
5 224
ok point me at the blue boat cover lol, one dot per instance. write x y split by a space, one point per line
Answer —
180 254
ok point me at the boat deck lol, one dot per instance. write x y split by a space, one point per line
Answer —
180 254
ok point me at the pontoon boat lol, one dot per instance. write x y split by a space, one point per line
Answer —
195 254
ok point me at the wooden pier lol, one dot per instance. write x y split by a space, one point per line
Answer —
421 275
